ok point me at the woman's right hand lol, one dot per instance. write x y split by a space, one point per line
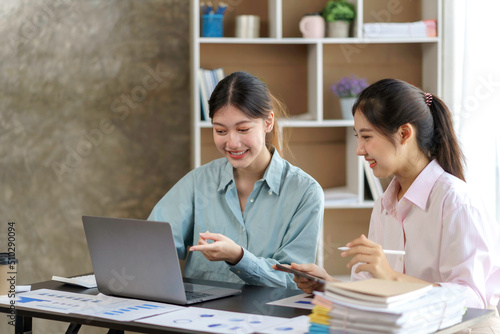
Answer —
307 285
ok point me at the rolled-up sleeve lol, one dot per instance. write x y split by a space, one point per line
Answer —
299 244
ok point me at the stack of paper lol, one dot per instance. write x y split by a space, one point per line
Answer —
183 319
380 306
425 28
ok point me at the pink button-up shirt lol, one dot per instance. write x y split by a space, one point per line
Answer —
448 237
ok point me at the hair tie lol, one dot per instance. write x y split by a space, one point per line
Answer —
428 98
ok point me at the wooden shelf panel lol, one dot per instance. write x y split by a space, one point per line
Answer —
293 123
208 150
341 226
392 11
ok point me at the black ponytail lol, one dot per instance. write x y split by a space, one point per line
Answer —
445 146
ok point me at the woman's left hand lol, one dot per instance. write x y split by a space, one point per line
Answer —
371 257
222 249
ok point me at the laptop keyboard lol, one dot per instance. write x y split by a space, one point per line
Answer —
191 295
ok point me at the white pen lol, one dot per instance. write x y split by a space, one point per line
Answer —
386 251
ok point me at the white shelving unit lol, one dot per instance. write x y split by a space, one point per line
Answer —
300 71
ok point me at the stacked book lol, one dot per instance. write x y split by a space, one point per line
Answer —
425 28
208 79
382 306
374 183
339 196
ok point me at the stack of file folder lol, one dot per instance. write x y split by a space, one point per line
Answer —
425 28
381 306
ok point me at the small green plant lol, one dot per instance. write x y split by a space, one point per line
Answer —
338 10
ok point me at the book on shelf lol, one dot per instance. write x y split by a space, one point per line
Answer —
208 79
373 182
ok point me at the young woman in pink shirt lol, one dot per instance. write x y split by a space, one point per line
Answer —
427 209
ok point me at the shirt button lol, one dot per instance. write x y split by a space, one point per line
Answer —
243 229
270 193
251 200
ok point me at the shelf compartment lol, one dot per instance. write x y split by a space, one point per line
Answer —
286 77
294 10
241 7
370 61
317 151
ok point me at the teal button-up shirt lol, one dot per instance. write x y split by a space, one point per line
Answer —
280 224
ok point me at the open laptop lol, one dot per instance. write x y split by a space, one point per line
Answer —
138 259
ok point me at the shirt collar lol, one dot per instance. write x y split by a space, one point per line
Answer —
389 198
274 172
226 176
272 175
421 188
419 191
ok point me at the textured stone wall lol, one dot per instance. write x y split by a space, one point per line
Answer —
94 119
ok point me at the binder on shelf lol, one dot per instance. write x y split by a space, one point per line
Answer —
208 79
203 95
373 182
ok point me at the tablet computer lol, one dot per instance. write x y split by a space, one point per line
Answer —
300 273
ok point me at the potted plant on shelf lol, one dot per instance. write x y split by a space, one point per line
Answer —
348 89
338 15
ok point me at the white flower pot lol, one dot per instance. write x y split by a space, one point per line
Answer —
346 104
338 29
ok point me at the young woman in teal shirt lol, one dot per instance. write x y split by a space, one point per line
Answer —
238 215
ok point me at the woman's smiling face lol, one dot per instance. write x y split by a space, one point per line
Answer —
242 140
377 149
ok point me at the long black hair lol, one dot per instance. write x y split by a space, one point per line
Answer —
390 103
251 96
